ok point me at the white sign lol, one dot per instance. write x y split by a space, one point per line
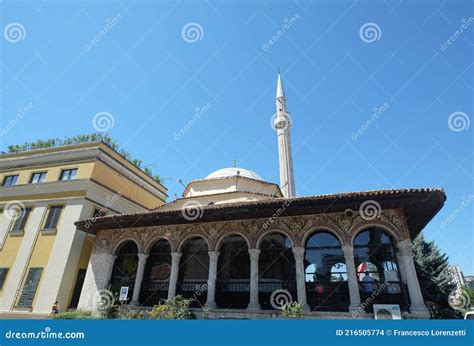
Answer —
123 293
387 312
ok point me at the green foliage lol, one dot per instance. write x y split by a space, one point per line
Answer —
176 308
93 137
432 268
292 310
74 315
108 306
206 313
136 315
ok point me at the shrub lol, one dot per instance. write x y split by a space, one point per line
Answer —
73 315
108 306
176 308
292 310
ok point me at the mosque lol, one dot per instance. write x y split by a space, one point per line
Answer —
243 246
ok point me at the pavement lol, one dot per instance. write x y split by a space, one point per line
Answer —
22 316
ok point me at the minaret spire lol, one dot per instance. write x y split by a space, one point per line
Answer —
282 124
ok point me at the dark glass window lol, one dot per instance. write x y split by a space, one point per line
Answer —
326 273
10 180
276 267
29 287
3 276
38 177
68 174
157 274
20 220
194 270
52 218
125 268
377 268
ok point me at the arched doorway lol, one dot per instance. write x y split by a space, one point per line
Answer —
276 267
194 271
377 269
125 268
325 273
156 276
233 274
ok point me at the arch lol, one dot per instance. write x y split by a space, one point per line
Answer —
276 267
233 273
222 238
193 235
155 240
320 229
263 235
122 242
156 274
125 267
326 276
376 266
193 271
391 230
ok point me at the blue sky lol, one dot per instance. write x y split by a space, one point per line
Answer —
188 105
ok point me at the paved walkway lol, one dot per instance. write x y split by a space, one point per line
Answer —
21 316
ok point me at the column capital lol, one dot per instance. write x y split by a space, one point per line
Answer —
348 250
213 255
142 256
405 247
298 251
176 255
255 252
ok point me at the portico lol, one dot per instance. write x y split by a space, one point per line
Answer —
236 256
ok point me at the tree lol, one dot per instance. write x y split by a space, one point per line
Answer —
432 268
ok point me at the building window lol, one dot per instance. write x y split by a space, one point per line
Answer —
3 276
68 174
20 219
29 288
52 218
37 178
10 180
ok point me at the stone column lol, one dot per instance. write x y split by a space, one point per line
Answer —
407 266
175 257
352 281
300 276
97 278
254 304
139 277
211 281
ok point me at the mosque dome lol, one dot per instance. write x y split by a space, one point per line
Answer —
234 172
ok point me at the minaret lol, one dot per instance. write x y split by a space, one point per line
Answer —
282 125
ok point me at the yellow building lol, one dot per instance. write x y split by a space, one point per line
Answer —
42 256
